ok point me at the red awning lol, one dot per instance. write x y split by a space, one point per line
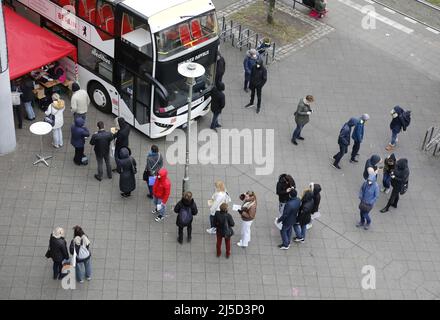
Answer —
31 47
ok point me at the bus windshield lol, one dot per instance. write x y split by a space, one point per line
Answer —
186 35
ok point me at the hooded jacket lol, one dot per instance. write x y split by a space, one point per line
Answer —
285 181
188 204
258 76
396 124
126 167
301 116
316 197
358 131
162 186
122 135
57 109
79 133
389 164
290 213
369 192
249 62
371 163
400 176
305 211
344 134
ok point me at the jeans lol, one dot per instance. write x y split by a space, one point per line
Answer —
188 231
157 201
300 231
393 138
247 79
386 181
57 266
79 154
342 150
355 151
150 188
87 266
214 123
365 217
281 206
101 160
219 245
297 132
29 110
245 233
258 90
57 137
286 235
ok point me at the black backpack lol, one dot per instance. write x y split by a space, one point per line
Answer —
405 119
185 216
227 230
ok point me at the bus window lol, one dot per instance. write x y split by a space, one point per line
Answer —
95 60
136 34
87 10
105 17
186 35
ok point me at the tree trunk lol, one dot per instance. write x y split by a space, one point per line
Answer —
270 11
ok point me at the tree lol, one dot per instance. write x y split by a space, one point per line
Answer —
270 11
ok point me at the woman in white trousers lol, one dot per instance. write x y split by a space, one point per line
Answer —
248 211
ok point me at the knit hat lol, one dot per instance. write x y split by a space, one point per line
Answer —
365 117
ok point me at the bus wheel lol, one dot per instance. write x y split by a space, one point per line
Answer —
100 97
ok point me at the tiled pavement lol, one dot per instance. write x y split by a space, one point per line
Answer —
137 258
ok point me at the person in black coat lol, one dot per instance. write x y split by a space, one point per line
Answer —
18 108
284 185
344 141
304 216
258 80
27 97
371 166
399 178
220 70
288 219
189 205
217 104
223 222
126 167
58 251
101 140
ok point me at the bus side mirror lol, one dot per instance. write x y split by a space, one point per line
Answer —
159 89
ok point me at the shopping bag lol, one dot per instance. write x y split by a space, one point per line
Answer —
278 225
151 180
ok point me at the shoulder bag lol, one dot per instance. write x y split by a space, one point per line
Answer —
50 119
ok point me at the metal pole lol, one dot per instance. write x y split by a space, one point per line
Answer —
432 133
256 40
424 140
188 131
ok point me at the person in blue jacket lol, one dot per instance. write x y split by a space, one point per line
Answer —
344 141
358 136
368 196
78 139
288 219
395 126
248 63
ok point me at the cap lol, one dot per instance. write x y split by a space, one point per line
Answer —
365 117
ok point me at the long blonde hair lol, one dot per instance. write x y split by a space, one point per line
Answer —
220 186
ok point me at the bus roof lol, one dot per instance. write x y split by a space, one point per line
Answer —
165 13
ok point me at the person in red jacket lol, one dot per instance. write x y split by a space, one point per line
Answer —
161 193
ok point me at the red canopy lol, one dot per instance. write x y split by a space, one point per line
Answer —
31 47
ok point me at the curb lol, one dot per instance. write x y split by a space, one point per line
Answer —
433 6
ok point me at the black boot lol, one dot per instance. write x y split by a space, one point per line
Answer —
385 209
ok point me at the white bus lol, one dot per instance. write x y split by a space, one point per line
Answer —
129 51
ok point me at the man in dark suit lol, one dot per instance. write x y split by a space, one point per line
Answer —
101 140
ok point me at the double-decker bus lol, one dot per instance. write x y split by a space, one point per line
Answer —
129 52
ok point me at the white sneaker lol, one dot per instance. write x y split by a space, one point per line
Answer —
240 245
89 279
383 189
387 190
211 230
154 211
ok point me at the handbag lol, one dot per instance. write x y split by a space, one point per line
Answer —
48 254
50 119
16 101
151 180
404 188
365 207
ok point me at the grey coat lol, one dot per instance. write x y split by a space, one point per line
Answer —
301 116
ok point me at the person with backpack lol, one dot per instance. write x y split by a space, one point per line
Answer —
154 164
288 219
358 136
220 196
343 141
316 189
161 193
57 251
81 244
285 184
126 167
78 140
401 120
56 109
247 212
185 209
399 182
368 196
389 166
304 216
223 222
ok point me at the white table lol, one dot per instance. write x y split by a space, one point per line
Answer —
41 128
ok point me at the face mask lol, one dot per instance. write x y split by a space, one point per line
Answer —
258 66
